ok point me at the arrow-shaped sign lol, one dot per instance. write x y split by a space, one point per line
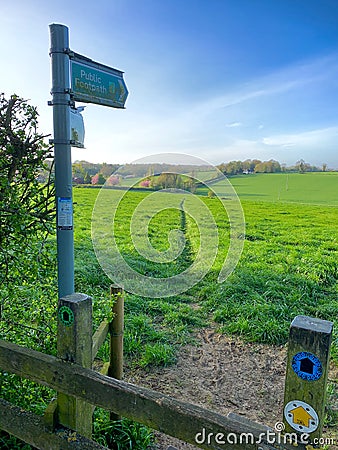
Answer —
93 82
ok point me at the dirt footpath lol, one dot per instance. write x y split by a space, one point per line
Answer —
225 375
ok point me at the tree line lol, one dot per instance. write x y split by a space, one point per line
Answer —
85 172
271 166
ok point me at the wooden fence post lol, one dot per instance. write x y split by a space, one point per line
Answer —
74 344
116 329
306 376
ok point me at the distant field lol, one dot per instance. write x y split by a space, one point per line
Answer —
199 175
310 188
129 182
205 175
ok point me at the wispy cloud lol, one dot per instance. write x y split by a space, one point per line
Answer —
234 124
297 76
315 137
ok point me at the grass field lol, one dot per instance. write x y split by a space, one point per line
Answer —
288 266
133 181
310 188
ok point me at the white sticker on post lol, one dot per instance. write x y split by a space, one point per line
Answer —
301 416
65 213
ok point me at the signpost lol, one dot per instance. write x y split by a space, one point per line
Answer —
90 82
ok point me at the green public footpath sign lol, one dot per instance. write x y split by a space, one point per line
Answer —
95 83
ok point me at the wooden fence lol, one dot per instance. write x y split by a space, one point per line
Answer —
87 389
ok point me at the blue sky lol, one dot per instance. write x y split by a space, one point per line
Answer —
217 79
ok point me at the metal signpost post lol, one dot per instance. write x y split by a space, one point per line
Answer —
91 82
62 156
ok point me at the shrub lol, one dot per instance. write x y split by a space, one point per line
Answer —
145 183
98 179
113 180
26 205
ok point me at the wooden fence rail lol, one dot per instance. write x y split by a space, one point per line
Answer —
158 411
33 430
67 422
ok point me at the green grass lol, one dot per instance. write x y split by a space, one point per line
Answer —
153 327
121 434
288 267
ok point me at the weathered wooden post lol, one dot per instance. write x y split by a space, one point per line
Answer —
306 376
116 329
74 344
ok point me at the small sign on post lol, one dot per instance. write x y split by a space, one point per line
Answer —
306 376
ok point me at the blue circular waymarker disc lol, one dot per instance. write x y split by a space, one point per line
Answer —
307 366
